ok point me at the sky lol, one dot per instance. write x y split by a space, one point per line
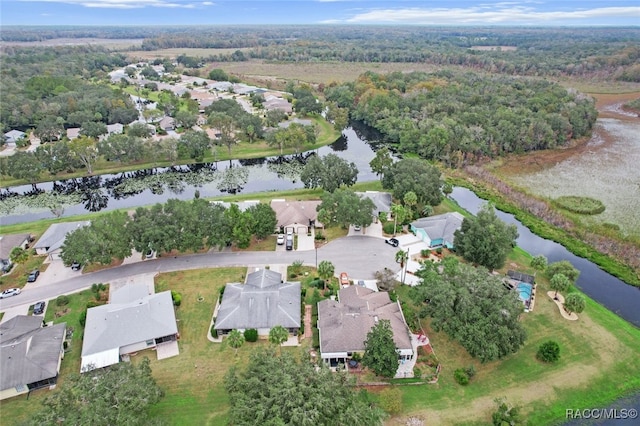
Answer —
353 12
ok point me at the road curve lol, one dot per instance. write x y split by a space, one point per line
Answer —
359 256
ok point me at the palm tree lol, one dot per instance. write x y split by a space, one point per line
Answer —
399 214
401 257
236 339
278 335
326 271
559 282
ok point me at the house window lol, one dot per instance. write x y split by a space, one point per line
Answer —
150 342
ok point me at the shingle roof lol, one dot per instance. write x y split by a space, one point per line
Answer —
344 324
288 212
382 200
263 302
29 352
119 324
54 236
440 226
8 242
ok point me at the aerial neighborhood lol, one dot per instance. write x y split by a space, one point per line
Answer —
284 226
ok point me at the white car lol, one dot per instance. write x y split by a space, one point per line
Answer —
10 292
280 239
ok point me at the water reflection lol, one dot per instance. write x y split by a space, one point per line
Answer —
148 186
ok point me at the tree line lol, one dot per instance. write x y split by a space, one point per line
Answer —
175 225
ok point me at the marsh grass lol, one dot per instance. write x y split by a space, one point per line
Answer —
580 205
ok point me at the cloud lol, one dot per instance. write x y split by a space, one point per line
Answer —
128 4
486 14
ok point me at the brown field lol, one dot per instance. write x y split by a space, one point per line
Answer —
111 43
175 52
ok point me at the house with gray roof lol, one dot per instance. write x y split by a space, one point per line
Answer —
52 240
134 320
13 136
262 302
297 216
242 205
437 231
30 355
8 243
343 324
381 201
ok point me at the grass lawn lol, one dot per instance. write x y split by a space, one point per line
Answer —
18 275
21 407
598 364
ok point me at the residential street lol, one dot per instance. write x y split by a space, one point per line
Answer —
359 256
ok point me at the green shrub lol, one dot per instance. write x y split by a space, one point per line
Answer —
417 372
471 371
93 304
425 253
580 205
387 228
549 351
82 319
319 236
251 335
177 298
214 332
461 376
62 300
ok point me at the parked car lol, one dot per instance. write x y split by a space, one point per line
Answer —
280 239
38 308
10 292
356 227
76 266
33 276
361 283
289 243
149 254
392 242
344 278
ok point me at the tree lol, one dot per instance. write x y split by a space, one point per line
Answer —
218 74
195 144
391 400
539 262
84 150
264 220
344 207
385 280
25 166
120 394
279 390
506 415
412 174
472 307
329 173
93 129
186 119
380 350
278 335
485 239
139 130
549 351
48 129
235 339
575 302
399 213
274 116
565 268
338 116
102 241
382 162
225 124
401 257
18 255
559 282
326 271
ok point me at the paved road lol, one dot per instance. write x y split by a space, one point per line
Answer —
359 256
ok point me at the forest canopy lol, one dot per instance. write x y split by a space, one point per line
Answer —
459 117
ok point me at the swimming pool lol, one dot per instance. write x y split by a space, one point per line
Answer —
524 291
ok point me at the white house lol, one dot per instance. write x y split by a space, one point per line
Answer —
133 320
52 240
13 136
